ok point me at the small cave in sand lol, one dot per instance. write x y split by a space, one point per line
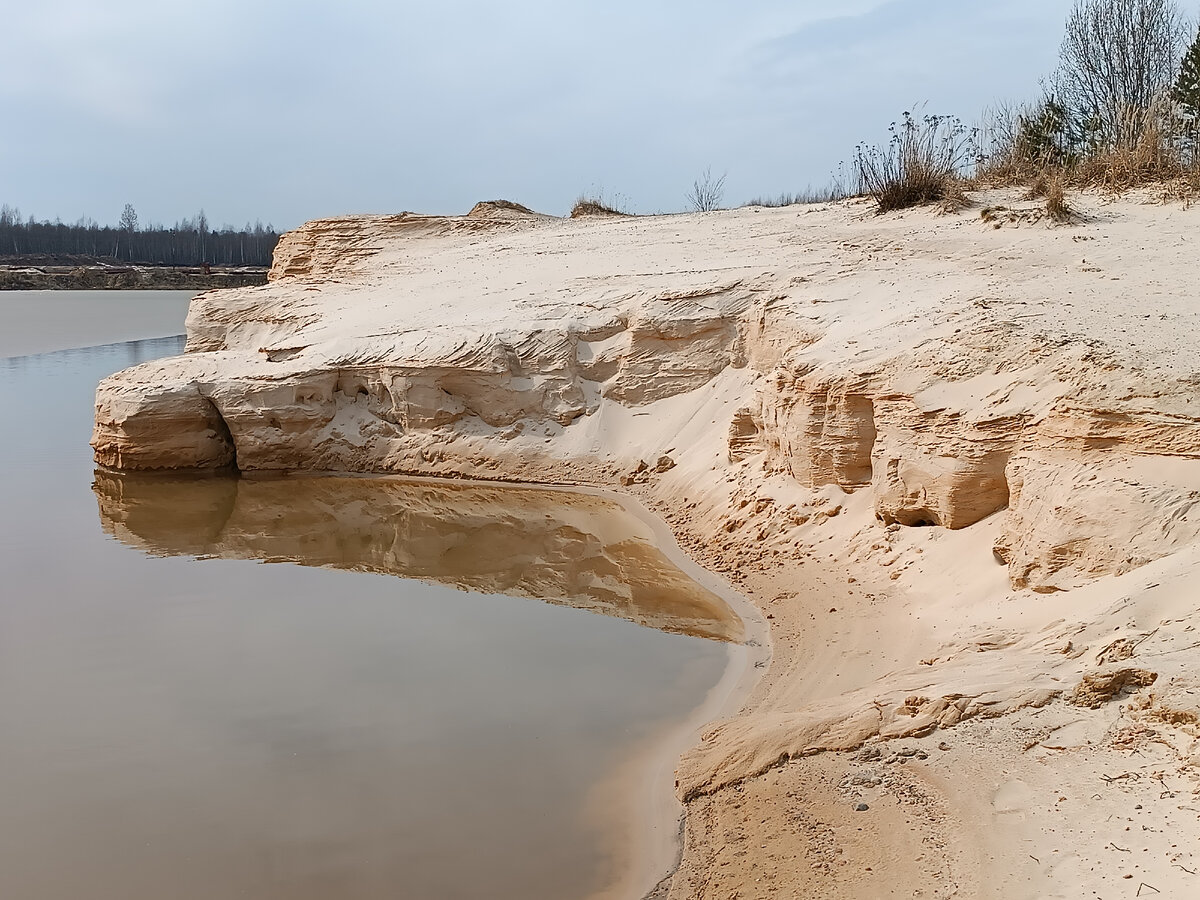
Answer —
220 428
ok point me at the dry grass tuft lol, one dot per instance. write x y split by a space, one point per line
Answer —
586 206
1039 186
1056 201
922 163
1039 145
954 196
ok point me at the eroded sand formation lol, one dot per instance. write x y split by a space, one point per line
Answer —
956 465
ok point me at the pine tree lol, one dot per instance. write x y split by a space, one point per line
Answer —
1186 91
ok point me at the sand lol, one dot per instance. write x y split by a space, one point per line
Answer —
953 459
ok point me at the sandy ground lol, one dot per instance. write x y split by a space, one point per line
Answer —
1058 801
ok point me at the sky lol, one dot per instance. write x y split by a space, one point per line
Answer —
284 112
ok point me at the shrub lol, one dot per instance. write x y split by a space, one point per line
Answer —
923 162
1022 143
706 192
1157 155
1047 136
1050 144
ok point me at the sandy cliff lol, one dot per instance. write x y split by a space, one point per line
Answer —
957 465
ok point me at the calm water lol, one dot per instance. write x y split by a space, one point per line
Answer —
181 721
41 321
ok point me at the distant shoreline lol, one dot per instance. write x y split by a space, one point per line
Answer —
126 278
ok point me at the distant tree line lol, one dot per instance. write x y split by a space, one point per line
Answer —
189 242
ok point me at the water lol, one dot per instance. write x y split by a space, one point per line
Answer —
181 725
41 321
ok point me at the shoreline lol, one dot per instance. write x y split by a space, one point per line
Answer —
654 845
659 817
127 278
662 848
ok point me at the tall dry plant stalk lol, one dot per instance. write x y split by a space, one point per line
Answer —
707 192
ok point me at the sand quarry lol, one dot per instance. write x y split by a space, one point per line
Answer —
952 459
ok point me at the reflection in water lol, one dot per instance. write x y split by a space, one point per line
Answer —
192 730
112 356
567 548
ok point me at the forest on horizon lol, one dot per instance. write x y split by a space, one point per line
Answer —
189 242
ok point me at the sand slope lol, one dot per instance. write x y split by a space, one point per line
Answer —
954 459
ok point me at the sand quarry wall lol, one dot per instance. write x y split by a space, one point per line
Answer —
951 369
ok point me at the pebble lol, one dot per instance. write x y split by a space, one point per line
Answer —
862 807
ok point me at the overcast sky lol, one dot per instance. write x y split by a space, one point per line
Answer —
286 111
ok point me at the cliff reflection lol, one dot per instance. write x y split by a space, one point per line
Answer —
565 548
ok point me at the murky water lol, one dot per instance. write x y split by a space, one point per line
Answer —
181 721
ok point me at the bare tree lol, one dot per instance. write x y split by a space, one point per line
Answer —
1117 58
706 192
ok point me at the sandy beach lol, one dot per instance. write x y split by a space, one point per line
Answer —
952 460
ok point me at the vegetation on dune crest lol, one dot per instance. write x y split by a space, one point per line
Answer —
1121 110
596 201
921 163
707 192
832 192
589 206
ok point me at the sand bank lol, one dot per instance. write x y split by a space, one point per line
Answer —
953 459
